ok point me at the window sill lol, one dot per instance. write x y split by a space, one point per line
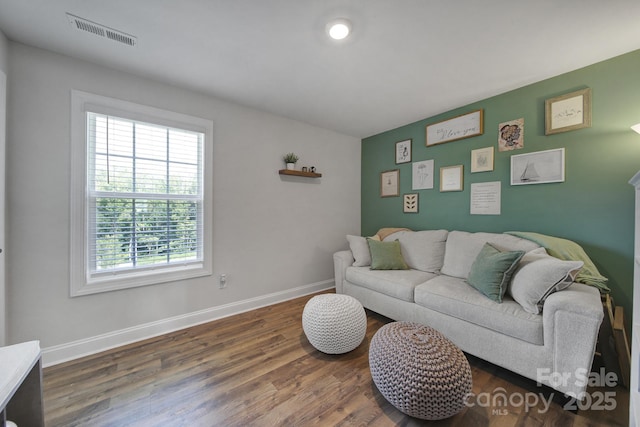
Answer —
115 282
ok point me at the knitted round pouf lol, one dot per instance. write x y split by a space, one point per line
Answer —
419 371
334 323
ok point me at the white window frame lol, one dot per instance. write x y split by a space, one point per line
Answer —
82 282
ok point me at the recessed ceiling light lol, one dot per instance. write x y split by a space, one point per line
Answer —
339 29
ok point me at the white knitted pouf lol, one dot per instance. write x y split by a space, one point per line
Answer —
419 371
334 323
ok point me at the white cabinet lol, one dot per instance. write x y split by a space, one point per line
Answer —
21 384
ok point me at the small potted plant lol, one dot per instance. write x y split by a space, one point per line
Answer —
290 159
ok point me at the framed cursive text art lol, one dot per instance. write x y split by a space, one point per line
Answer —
567 112
459 127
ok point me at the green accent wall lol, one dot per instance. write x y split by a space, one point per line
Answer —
594 206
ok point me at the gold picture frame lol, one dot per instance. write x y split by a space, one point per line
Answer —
482 160
567 112
463 126
451 178
390 183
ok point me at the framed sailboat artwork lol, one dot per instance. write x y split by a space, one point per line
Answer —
539 167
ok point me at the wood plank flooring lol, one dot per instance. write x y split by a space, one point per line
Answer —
258 369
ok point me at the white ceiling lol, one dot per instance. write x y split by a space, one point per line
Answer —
406 60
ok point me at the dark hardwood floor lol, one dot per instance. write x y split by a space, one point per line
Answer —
258 369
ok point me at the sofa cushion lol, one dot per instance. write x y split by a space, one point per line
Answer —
463 247
386 255
360 250
395 283
422 250
538 275
491 271
454 297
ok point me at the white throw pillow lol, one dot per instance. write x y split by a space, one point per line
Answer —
423 250
360 250
538 276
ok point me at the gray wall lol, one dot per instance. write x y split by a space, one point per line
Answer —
4 51
271 234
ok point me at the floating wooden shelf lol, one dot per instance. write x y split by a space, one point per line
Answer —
299 173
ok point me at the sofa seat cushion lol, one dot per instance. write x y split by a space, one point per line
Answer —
394 283
462 249
454 297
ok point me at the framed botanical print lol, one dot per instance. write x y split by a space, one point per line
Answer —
511 135
482 160
410 203
422 175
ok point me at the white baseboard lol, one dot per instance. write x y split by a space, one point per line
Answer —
88 346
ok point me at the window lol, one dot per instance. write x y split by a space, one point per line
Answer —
141 204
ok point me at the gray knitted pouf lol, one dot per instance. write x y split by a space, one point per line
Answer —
334 323
419 371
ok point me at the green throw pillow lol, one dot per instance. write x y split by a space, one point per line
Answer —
491 271
386 255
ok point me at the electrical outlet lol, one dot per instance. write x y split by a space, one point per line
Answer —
223 280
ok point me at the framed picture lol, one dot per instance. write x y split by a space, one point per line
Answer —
451 178
390 183
482 160
485 198
567 112
410 204
459 127
511 135
422 176
403 151
539 167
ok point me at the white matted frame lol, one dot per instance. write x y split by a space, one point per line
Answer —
482 160
539 167
403 151
567 112
459 127
422 176
390 183
451 178
410 203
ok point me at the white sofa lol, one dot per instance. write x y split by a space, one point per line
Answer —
554 347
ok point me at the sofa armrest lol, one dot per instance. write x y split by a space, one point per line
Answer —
341 260
572 319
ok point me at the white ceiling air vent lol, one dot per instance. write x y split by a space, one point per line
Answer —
82 24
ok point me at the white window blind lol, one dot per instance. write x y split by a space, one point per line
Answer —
145 197
141 199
